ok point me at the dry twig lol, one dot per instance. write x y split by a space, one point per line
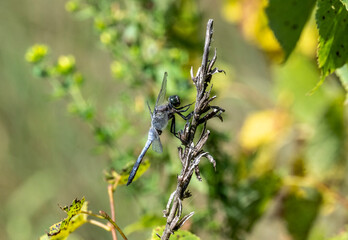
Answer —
192 153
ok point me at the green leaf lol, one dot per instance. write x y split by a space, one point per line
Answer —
332 22
345 3
74 209
180 234
343 75
287 19
125 172
326 149
300 210
61 230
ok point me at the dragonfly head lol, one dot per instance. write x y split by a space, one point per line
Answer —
174 100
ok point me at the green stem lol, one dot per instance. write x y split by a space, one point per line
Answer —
104 215
107 217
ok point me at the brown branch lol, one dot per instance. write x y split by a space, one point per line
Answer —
192 153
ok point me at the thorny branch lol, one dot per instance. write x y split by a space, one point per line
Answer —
192 153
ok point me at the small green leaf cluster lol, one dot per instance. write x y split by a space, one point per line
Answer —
64 78
67 81
143 37
36 53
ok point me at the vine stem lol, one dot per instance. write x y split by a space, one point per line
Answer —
107 217
99 224
104 215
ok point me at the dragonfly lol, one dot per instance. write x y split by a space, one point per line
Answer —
162 113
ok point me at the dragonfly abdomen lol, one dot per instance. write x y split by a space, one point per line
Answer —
138 162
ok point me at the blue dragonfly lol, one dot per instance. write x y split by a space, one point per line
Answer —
162 113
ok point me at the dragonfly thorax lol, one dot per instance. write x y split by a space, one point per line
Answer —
174 100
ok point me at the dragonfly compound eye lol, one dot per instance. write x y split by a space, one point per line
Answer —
174 100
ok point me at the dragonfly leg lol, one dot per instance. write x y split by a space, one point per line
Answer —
172 127
173 130
184 108
187 117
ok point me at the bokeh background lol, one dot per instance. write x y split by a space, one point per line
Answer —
281 153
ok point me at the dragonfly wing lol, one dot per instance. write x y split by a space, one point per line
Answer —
148 105
157 146
162 93
154 138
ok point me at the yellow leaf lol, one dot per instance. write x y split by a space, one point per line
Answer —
125 172
309 39
252 20
75 219
263 128
232 11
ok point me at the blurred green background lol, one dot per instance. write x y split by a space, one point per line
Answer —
281 160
